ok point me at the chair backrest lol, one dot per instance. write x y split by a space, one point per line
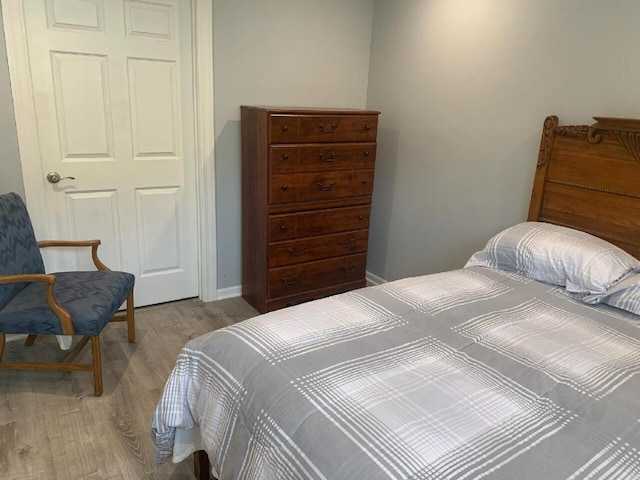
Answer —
19 252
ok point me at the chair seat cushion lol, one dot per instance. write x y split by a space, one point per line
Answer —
92 298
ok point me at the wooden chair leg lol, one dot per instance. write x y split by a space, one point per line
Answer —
131 326
97 365
31 339
3 339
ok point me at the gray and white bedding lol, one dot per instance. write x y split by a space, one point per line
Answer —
468 374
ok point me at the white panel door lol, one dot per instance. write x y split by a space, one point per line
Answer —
112 83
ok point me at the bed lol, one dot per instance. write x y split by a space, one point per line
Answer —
524 364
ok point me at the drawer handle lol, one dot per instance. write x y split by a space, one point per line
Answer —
285 187
326 189
360 217
296 254
351 244
366 153
363 181
331 158
293 280
324 130
285 156
352 268
285 128
367 127
283 228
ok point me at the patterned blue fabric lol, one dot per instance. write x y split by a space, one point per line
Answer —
19 252
92 298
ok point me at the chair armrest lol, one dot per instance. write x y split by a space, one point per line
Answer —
62 313
68 243
28 277
77 243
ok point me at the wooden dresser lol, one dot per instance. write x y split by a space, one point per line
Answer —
307 180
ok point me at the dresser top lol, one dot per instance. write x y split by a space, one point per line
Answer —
312 110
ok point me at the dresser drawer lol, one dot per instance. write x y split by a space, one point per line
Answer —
317 248
321 157
309 276
315 158
307 187
322 128
339 128
317 222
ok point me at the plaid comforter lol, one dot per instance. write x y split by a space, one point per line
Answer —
468 374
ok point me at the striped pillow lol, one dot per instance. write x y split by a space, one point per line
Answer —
580 262
625 294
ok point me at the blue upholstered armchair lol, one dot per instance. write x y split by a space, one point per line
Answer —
68 303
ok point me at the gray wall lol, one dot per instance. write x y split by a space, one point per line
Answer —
464 87
278 52
11 170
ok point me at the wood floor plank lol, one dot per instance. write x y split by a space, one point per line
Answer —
53 427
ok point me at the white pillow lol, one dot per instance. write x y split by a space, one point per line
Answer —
625 294
557 255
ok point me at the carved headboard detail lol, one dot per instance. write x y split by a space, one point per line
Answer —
588 178
576 131
624 130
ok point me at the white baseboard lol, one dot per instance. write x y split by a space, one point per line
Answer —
373 279
230 292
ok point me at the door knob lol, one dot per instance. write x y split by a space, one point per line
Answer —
54 177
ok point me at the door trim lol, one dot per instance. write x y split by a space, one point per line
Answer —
202 31
28 139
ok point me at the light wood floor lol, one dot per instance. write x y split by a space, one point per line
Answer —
51 425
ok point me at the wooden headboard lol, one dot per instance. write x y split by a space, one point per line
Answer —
588 178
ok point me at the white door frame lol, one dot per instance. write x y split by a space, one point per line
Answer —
28 142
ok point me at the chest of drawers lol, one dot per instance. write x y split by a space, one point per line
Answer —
307 180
